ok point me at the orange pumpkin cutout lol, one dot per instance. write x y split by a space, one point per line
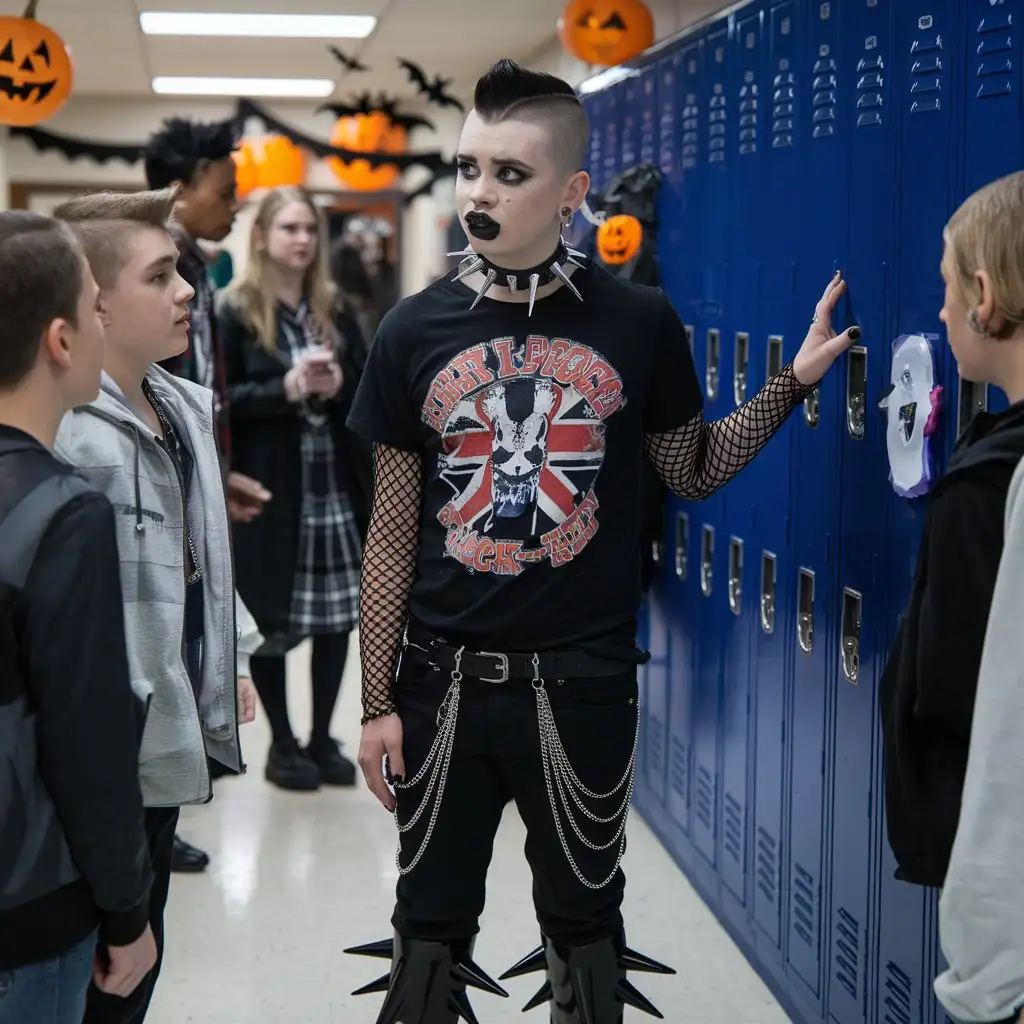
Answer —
606 32
373 132
279 162
618 239
36 74
247 173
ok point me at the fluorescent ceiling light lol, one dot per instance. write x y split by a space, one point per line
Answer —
606 79
314 88
276 26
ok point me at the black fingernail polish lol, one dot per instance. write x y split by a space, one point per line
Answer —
855 333
399 779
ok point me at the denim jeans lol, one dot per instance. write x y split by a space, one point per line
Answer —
51 992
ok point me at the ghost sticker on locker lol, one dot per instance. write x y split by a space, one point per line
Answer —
912 406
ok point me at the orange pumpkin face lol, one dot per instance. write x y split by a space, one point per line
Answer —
606 32
618 239
280 163
35 72
367 133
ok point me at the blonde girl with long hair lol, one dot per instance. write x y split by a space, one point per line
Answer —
291 373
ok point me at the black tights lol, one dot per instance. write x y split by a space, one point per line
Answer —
330 650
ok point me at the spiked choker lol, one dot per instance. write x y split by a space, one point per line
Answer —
519 280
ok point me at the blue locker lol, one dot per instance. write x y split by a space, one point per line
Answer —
654 697
739 601
648 88
629 121
819 240
612 120
770 475
594 105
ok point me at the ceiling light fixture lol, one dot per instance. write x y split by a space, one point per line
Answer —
304 88
606 79
275 26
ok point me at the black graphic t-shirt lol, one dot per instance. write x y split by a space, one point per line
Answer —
531 432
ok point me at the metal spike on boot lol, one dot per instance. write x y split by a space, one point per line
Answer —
428 980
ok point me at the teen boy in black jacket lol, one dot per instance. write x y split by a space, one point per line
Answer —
73 859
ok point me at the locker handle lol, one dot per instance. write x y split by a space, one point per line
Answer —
812 409
735 575
768 577
741 365
707 557
713 356
682 545
774 361
972 399
851 635
805 611
856 391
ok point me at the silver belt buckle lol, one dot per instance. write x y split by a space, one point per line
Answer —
502 660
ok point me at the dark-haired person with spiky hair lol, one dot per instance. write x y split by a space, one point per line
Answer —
510 405
196 157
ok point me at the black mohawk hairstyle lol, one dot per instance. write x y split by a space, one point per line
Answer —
176 151
507 84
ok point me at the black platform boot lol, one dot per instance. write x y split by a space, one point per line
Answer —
588 984
427 982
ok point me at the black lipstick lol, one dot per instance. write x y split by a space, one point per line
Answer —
480 225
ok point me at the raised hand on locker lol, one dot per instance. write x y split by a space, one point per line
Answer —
822 346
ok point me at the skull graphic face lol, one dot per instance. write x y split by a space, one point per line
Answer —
519 413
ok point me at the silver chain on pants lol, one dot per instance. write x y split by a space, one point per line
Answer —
559 776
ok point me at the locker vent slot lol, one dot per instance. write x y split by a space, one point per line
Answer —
705 797
823 101
656 742
995 67
716 119
899 995
767 866
870 95
848 952
926 63
805 905
733 838
782 112
748 119
679 773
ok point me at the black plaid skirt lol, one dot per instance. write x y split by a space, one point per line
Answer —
325 595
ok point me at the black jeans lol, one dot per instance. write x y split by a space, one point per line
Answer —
497 758
105 1009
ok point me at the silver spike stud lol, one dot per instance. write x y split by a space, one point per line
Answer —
468 251
513 283
470 267
485 287
575 252
565 279
534 285
576 263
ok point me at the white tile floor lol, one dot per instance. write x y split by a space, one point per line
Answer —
295 878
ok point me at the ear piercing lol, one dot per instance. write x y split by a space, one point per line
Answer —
566 216
975 324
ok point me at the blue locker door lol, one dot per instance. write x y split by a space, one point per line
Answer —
739 601
649 115
612 119
774 627
595 105
681 232
715 358
654 709
821 245
629 119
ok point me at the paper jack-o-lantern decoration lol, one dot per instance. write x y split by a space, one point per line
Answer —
274 162
606 32
618 239
35 71
372 132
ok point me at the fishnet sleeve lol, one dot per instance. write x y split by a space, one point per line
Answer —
389 567
697 458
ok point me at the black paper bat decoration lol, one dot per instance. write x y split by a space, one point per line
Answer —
428 186
349 63
73 149
435 90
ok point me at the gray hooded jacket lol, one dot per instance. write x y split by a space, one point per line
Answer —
122 457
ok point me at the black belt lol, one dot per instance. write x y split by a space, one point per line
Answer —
500 667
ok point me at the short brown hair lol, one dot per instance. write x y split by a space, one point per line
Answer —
105 221
987 233
40 281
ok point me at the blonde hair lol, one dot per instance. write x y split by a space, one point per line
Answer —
251 296
105 221
987 233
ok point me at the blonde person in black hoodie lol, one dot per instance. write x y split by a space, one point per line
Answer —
929 684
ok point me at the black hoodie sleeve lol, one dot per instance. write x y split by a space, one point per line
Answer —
89 722
965 546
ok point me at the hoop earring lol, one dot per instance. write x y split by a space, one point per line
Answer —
976 325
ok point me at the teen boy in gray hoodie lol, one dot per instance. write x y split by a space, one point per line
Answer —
148 444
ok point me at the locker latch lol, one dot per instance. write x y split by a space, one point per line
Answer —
741 366
851 635
768 568
713 360
774 361
812 409
972 399
682 545
857 391
805 611
707 559
735 575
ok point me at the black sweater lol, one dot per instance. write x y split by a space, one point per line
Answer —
73 854
929 682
